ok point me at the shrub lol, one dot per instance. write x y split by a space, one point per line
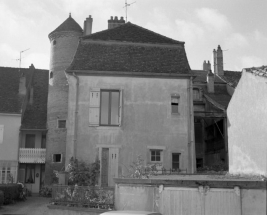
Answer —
1 198
11 192
46 192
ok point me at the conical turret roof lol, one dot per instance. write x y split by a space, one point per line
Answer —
68 25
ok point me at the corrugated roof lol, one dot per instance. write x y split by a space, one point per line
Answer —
131 33
68 25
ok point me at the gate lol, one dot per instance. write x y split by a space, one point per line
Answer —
200 201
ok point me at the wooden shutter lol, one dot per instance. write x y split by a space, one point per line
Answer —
94 106
120 108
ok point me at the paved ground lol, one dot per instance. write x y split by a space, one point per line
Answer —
32 206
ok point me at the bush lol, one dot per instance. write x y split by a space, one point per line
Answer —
46 192
11 192
1 198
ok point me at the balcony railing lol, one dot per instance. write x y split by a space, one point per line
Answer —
32 155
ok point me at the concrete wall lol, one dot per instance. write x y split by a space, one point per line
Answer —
247 122
10 146
146 120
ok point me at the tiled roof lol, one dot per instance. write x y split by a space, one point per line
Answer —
11 102
68 25
220 95
35 115
231 77
131 33
130 58
201 76
258 71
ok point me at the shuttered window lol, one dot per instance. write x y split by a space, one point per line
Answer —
105 107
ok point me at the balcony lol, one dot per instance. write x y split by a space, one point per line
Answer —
32 155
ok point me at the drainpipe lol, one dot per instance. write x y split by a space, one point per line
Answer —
76 116
191 135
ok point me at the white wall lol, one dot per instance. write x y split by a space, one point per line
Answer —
247 126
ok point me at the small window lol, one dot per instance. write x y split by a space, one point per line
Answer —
196 95
57 158
175 161
51 75
61 123
175 104
155 156
54 42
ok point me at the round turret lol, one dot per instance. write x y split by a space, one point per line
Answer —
64 41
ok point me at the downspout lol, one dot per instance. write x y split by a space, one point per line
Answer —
76 116
191 128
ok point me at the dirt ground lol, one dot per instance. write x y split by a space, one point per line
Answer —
34 205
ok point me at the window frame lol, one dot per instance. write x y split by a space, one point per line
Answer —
61 158
160 155
109 107
175 96
59 123
179 162
26 170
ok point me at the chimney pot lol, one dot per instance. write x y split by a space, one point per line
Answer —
116 18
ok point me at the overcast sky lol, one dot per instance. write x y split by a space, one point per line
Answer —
239 26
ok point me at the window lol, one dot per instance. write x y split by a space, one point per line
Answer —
175 103
105 107
199 162
43 143
61 123
109 107
30 141
30 173
57 158
3 175
155 156
54 42
196 95
51 75
175 161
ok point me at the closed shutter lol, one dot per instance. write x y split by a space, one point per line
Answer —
94 106
1 134
120 108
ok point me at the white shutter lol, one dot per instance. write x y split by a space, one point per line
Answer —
94 107
120 108
1 134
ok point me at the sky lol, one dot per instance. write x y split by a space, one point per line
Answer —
238 26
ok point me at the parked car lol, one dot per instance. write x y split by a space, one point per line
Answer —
131 213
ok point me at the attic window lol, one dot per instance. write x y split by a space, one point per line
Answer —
51 75
196 95
54 42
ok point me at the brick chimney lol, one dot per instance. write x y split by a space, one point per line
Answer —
218 61
87 26
206 66
210 82
113 23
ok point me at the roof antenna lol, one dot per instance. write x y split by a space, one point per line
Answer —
20 57
126 6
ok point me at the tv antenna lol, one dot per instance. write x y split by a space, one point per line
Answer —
20 57
126 6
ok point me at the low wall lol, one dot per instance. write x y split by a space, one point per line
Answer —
192 194
64 210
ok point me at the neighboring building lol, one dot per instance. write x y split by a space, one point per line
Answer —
130 94
212 94
23 95
247 123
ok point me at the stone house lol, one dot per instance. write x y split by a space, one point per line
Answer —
247 123
129 94
212 92
23 99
